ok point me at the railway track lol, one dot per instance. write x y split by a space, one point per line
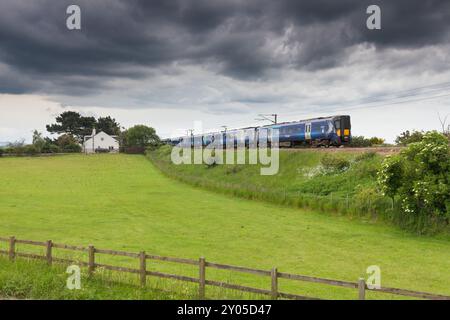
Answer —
380 150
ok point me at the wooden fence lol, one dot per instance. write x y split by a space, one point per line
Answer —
202 265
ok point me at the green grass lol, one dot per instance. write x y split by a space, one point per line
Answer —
123 202
31 279
306 179
25 279
296 173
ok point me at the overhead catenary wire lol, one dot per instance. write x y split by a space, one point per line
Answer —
377 102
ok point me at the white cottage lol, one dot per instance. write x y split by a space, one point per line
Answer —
100 142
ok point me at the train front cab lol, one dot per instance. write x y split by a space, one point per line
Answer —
343 129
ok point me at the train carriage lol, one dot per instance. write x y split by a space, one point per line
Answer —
324 131
327 131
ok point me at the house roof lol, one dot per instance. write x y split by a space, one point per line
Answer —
101 132
88 138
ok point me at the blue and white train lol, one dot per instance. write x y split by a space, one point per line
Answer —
324 131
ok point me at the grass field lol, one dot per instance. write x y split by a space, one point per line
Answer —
334 180
124 202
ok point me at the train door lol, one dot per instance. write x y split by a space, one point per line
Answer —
308 131
337 126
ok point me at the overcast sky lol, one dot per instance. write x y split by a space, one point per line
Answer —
170 63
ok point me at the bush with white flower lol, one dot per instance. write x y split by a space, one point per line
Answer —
420 177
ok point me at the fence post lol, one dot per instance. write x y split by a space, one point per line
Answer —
143 268
274 276
91 265
12 248
49 252
202 278
361 289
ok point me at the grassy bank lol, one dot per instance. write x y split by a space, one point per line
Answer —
342 182
123 202
298 172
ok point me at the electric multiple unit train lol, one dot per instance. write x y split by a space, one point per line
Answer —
324 131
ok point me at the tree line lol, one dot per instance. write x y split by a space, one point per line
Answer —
71 128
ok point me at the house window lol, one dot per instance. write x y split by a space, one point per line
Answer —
102 139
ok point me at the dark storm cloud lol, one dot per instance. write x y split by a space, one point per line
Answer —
241 39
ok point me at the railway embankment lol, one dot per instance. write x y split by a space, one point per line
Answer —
332 180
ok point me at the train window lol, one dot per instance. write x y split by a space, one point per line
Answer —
346 122
337 124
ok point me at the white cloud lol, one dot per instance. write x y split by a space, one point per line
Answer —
174 97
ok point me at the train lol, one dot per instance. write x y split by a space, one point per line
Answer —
317 132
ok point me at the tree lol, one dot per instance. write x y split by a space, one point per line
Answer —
408 137
68 143
420 177
141 136
38 141
108 125
443 121
72 123
16 144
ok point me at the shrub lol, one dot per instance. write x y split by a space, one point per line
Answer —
8 150
31 150
376 141
15 150
334 163
408 137
1 152
72 148
135 150
360 141
391 174
68 143
50 148
420 177
366 169
369 201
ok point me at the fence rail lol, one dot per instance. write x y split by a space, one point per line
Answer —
202 264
